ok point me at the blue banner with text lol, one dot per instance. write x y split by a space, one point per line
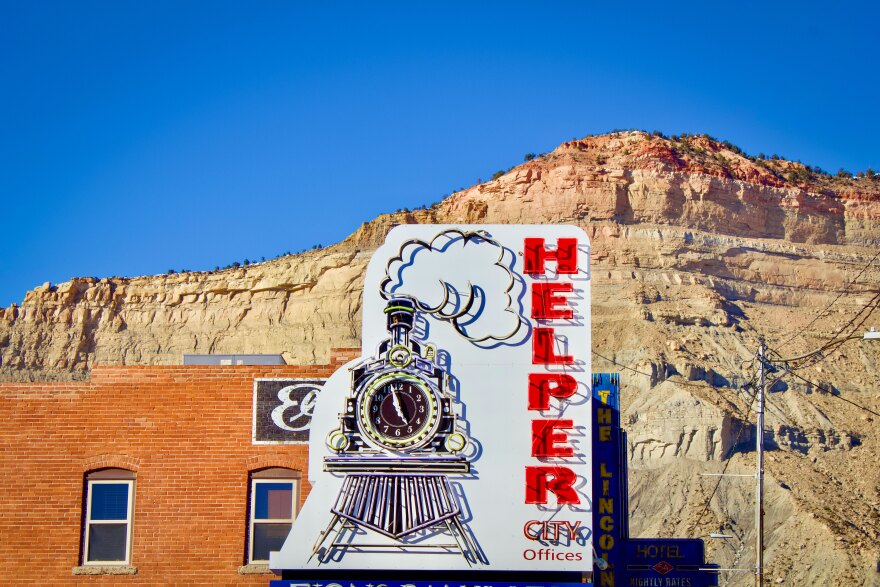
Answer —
609 482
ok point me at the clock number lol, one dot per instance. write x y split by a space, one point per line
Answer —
384 428
397 432
421 409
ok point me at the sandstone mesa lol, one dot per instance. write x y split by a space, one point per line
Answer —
697 252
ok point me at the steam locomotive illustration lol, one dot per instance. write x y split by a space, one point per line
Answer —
397 443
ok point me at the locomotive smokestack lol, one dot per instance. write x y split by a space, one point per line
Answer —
400 314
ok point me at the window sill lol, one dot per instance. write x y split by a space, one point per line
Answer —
255 569
105 570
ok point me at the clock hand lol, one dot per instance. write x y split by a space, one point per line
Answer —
396 401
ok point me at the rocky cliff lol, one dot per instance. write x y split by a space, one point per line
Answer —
698 252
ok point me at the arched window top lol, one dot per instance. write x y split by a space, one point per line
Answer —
276 473
111 473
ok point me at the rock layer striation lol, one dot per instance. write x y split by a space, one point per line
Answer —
698 252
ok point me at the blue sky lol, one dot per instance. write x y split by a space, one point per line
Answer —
143 136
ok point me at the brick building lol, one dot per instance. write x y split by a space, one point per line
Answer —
156 469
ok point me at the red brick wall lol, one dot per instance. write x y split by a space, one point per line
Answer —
186 431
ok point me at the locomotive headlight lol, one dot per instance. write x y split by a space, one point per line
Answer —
399 356
337 441
455 442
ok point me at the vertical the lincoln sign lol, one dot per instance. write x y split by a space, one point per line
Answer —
610 517
461 439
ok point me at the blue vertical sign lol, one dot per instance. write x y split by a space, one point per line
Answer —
609 482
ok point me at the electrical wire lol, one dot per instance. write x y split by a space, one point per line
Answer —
726 464
834 301
771 407
836 339
804 361
745 385
832 394
829 348
743 418
628 368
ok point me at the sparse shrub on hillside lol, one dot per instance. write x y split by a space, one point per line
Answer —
171 272
497 174
236 264
528 156
843 173
730 146
799 174
869 173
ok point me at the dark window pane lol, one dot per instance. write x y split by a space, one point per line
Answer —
107 542
268 537
109 501
274 501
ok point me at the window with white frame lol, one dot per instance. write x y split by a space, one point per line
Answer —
109 509
274 503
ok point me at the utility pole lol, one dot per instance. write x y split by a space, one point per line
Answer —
759 474
768 367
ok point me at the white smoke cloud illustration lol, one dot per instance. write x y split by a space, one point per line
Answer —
464 278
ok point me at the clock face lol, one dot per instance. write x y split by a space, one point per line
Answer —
398 411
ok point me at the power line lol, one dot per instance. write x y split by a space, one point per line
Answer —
743 418
628 368
830 347
726 464
745 385
832 394
772 407
834 301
